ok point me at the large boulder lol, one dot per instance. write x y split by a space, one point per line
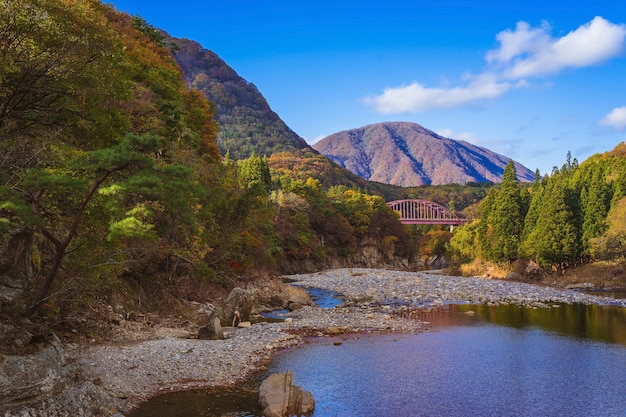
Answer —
297 301
279 397
212 331
241 300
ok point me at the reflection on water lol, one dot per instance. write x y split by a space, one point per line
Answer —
199 403
594 322
462 371
497 361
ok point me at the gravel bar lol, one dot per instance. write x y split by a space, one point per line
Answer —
134 372
427 288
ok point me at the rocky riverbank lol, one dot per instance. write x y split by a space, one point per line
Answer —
125 374
427 288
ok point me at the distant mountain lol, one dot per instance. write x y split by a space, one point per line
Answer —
409 155
247 123
402 154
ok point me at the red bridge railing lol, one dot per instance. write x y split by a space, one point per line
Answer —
424 212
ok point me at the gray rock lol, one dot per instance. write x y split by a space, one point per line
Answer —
296 302
239 299
279 397
294 306
47 384
298 299
212 331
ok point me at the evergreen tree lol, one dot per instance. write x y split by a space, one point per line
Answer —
506 218
555 240
255 173
530 220
595 200
484 228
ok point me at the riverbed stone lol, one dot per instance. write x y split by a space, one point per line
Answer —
239 299
212 330
336 330
294 306
279 397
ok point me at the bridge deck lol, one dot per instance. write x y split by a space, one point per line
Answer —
417 211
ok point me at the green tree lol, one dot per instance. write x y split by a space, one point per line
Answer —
612 244
464 245
532 215
555 240
484 229
75 77
255 173
506 218
59 219
595 200
60 69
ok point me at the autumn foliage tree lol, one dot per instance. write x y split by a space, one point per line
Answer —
99 135
110 173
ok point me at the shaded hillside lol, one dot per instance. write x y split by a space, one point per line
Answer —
247 123
407 154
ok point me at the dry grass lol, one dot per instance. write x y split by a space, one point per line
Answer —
484 269
292 290
601 274
598 274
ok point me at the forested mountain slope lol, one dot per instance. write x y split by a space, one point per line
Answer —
113 191
248 124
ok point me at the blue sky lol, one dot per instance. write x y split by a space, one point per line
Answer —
531 80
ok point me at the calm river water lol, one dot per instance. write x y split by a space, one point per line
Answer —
501 361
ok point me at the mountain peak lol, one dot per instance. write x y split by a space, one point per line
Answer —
408 154
247 123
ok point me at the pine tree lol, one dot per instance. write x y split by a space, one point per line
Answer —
506 218
555 240
595 200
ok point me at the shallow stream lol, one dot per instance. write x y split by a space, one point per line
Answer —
494 361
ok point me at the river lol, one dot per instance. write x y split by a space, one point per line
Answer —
494 361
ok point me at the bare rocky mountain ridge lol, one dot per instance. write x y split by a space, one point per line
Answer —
407 154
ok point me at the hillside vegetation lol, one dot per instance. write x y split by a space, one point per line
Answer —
248 124
113 190
566 219
122 187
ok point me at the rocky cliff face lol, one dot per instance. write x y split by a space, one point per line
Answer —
369 254
47 384
408 155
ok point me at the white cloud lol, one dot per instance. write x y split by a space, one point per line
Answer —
523 52
451 134
523 40
533 52
416 97
615 119
313 141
